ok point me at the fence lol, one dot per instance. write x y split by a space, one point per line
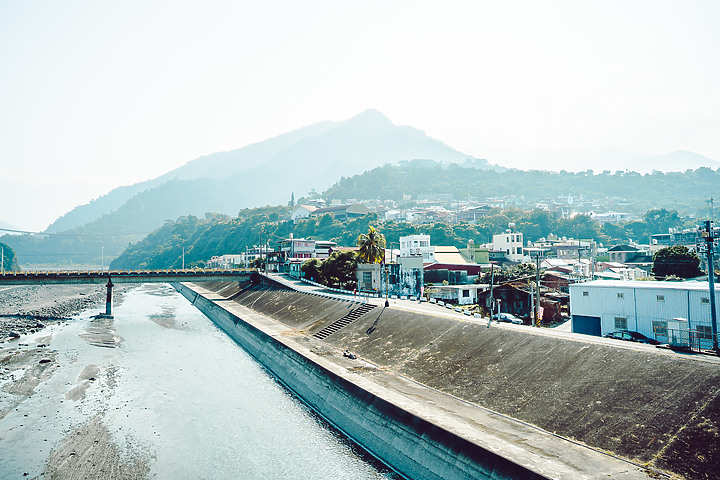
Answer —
694 340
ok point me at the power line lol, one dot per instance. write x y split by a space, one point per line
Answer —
73 234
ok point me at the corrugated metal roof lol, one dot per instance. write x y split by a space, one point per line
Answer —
691 285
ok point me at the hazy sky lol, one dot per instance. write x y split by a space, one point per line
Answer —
94 95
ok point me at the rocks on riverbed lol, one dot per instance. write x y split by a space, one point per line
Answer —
29 309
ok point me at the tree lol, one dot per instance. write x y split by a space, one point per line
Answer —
521 271
537 223
660 220
579 226
676 260
338 270
9 262
372 246
311 270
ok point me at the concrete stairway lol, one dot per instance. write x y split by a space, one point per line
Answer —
344 321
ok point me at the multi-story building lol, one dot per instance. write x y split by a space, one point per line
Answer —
417 245
476 253
511 243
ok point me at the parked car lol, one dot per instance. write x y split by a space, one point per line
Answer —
631 337
507 317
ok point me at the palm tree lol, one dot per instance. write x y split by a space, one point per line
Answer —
372 246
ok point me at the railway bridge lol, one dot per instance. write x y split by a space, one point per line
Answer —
112 277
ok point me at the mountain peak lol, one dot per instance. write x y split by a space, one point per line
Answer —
370 118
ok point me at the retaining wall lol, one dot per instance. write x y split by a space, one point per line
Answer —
413 446
657 408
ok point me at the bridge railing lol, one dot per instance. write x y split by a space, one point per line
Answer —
176 271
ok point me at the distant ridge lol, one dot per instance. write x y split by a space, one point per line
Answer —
312 157
600 160
677 161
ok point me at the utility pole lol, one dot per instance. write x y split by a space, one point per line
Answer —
538 253
492 296
537 283
183 261
102 259
387 286
532 300
709 235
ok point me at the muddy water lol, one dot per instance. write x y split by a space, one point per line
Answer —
160 392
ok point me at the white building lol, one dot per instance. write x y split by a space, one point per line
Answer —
226 261
604 306
457 294
405 277
610 217
303 211
512 244
414 245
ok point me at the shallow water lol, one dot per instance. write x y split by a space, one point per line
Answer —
176 392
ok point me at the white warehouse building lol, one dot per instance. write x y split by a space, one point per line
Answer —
656 309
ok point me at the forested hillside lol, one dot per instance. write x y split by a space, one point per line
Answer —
201 239
685 192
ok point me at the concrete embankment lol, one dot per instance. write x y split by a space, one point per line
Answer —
420 431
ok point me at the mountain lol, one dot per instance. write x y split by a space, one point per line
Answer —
7 226
216 165
268 172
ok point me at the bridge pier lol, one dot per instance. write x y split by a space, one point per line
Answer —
108 300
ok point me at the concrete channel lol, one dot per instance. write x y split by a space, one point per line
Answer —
419 430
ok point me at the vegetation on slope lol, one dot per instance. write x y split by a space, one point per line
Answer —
9 259
201 239
686 191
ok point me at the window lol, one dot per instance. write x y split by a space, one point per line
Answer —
620 296
620 323
705 300
466 293
660 328
661 298
586 293
367 278
704 332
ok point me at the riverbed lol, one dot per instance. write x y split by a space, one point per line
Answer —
157 392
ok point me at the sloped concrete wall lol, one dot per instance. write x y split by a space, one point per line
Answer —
654 407
411 445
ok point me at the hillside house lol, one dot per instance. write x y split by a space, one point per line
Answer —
342 212
303 211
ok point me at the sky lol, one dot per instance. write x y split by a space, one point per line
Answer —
95 95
